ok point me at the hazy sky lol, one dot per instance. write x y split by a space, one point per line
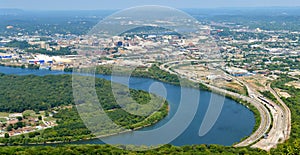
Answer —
121 4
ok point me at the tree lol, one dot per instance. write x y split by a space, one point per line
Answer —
40 117
9 128
31 135
6 135
46 113
19 118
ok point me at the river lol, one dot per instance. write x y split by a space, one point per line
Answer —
234 123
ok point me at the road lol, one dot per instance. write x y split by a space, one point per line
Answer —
281 125
276 133
265 117
263 111
287 113
281 115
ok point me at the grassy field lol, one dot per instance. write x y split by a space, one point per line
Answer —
4 114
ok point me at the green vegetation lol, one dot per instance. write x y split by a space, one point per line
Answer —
62 51
32 66
291 62
69 128
269 95
292 146
239 91
25 46
203 87
148 30
18 44
154 72
20 93
107 149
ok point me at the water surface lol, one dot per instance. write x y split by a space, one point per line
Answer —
234 122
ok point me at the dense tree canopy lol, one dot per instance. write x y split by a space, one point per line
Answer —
107 149
19 93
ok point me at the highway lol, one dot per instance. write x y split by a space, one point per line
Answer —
287 113
268 110
281 125
264 111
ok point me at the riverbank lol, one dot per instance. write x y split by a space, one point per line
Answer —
68 119
156 73
93 137
144 83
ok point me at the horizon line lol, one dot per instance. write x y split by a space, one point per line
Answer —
113 9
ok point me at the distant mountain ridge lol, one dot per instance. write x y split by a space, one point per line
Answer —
206 11
5 11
